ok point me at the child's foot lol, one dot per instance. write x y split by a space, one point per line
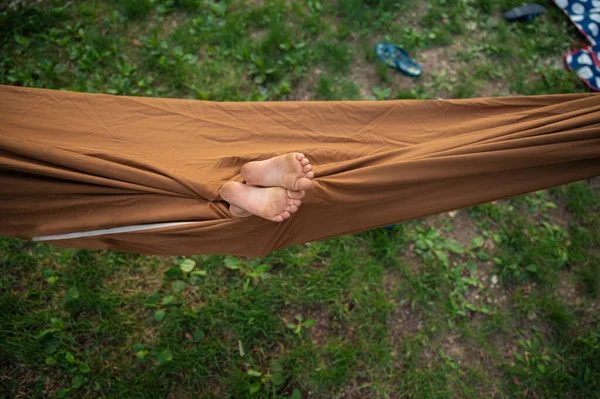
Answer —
292 171
273 203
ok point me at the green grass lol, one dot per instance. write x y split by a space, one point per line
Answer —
498 300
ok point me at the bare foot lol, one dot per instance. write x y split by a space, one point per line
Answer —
292 171
238 212
273 203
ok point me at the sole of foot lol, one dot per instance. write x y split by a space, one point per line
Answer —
292 171
272 203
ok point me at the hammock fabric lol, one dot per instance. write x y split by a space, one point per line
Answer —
143 174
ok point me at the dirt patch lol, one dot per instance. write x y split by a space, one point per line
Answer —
25 382
142 280
410 258
137 30
464 228
364 76
505 344
462 351
215 387
179 393
466 354
570 292
495 89
391 282
360 390
254 3
498 295
440 68
560 215
303 90
567 290
403 322
193 298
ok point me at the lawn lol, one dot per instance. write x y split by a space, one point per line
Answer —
496 300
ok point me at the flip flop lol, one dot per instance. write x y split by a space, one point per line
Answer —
526 12
396 57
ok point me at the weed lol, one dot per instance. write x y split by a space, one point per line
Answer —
253 271
529 252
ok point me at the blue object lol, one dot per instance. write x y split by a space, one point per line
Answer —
396 57
527 12
585 61
391 226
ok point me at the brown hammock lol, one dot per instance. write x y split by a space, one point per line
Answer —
143 174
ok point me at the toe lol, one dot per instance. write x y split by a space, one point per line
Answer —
278 218
310 175
228 190
304 161
307 168
296 203
291 208
295 194
303 183
299 156
286 215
